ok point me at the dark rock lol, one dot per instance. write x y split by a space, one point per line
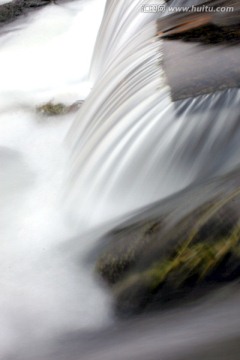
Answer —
53 109
191 37
126 250
13 9
169 257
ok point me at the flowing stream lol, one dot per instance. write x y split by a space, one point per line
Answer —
66 180
41 293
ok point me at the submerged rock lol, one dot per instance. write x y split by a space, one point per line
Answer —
13 9
172 251
51 109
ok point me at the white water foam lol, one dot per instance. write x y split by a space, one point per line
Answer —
44 291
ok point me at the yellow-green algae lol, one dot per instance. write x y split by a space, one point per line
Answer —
115 262
51 109
198 259
163 259
191 258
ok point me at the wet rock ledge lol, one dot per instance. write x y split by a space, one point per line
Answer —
176 250
13 9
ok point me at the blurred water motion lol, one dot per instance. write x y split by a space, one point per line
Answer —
130 146
209 328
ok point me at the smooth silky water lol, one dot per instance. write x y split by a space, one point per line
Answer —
65 181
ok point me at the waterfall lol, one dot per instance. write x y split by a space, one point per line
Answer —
131 144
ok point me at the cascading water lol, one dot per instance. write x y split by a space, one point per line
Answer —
130 146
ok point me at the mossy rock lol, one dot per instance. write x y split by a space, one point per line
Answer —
121 256
159 262
53 109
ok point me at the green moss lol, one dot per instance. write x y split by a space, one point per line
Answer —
51 109
117 259
177 275
194 259
207 250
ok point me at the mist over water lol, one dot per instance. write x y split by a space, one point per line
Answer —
65 181
41 295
